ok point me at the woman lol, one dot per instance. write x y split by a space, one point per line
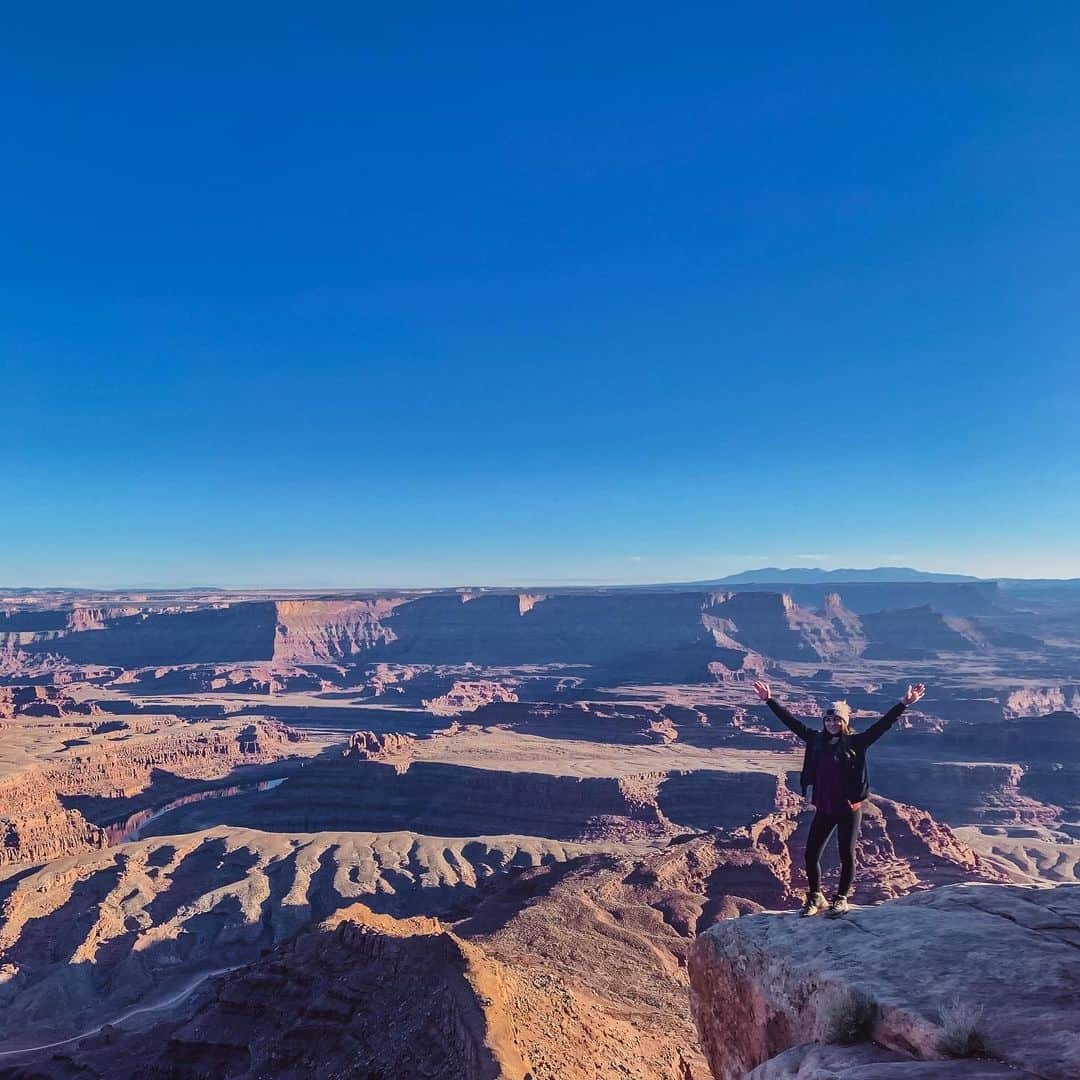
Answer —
834 764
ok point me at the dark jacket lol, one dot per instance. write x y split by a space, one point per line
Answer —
852 749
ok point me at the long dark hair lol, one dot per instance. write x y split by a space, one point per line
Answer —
842 711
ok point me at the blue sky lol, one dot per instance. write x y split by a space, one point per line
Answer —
341 295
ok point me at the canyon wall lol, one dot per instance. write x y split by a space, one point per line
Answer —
963 792
229 632
50 810
454 800
864 597
592 944
648 635
127 926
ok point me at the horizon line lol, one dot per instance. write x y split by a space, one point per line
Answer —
526 584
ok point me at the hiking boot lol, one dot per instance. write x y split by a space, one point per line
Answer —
815 902
838 907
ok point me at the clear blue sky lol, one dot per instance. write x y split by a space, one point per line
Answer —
360 294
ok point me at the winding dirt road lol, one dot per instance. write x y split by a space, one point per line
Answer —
167 1003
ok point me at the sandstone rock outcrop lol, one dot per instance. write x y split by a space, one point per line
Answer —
450 799
964 792
601 937
1054 736
671 635
120 927
390 747
321 1005
900 848
41 701
772 981
36 825
863 597
912 633
325 631
621 723
468 695
154 636
1042 700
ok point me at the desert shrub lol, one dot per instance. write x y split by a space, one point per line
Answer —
844 1015
960 1036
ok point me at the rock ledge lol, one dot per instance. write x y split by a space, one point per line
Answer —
1010 953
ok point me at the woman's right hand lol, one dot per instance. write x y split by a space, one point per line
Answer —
762 690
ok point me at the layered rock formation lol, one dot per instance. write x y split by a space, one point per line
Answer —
469 695
41 701
912 633
865 597
624 723
592 946
132 925
606 787
153 637
390 747
43 810
35 826
964 792
318 1006
902 974
648 635
1055 736
457 800
1028 854
329 631
1043 700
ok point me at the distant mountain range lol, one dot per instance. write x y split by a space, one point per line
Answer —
801 575
765 576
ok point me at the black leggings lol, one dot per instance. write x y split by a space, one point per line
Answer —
821 828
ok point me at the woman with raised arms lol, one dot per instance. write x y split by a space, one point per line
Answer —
834 766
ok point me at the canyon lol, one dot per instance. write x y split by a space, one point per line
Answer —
552 832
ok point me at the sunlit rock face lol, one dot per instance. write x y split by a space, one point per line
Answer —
56 808
768 983
613 924
666 634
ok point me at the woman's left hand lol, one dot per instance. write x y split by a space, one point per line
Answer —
913 694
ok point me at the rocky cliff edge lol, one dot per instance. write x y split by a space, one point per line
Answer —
961 980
